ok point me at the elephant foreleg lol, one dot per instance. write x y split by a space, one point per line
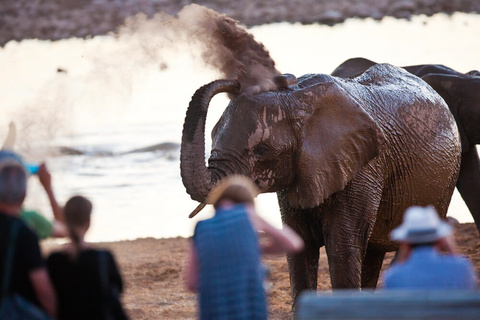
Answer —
468 183
347 226
345 263
303 266
372 264
303 269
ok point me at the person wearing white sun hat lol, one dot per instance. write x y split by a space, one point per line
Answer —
427 257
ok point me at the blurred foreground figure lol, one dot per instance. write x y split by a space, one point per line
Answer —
43 227
224 262
427 258
25 286
87 280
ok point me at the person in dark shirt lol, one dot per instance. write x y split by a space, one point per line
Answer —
28 278
87 280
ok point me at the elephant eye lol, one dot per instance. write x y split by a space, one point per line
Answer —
260 150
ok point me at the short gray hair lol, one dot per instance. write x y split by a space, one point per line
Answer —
13 184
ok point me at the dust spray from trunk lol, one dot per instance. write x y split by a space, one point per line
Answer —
112 80
219 40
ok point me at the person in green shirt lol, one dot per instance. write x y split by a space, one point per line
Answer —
43 227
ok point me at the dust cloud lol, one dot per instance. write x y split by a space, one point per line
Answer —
128 77
220 42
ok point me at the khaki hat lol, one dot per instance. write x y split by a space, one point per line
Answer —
233 180
421 225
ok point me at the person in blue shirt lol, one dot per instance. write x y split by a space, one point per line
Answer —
224 263
427 258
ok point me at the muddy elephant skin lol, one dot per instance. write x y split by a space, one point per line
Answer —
461 92
346 158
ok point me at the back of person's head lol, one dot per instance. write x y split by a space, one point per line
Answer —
236 189
13 179
77 213
421 226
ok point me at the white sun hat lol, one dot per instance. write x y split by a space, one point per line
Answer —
421 225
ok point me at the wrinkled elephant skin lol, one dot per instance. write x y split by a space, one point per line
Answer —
461 92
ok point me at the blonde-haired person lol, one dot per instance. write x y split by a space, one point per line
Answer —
87 280
224 263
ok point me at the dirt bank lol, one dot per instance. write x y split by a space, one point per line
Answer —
58 19
153 273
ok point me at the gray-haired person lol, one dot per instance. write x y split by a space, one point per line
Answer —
27 276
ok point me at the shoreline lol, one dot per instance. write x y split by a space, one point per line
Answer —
153 270
61 19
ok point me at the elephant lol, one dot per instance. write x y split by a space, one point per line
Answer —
355 66
345 157
461 92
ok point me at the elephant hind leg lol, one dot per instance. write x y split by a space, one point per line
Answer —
371 266
468 183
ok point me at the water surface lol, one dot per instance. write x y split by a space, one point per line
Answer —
107 95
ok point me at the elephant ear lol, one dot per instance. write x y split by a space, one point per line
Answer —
339 138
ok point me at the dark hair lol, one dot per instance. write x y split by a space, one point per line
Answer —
235 193
13 184
77 213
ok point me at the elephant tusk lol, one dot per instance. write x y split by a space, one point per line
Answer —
197 210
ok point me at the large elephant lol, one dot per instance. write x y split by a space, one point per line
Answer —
461 92
346 158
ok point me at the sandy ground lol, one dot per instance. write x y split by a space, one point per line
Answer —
153 272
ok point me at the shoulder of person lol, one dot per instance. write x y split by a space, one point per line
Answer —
56 256
26 234
30 214
460 260
103 251
200 223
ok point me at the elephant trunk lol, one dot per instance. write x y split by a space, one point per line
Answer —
196 177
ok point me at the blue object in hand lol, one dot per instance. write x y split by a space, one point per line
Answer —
32 168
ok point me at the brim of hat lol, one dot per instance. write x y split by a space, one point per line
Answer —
220 188
402 234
